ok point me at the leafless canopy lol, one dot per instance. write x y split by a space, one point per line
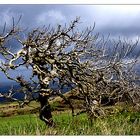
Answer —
68 56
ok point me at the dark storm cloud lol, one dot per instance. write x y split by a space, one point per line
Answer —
117 20
109 19
31 14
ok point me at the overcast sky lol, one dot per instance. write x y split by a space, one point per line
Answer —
118 20
114 19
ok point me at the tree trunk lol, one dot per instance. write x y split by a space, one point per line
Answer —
45 111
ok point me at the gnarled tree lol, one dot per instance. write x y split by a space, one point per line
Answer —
69 57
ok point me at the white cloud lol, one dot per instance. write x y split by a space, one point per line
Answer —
6 17
58 43
50 17
115 15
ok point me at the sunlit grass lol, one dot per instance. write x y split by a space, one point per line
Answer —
119 124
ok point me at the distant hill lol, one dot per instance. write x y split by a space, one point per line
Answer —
4 88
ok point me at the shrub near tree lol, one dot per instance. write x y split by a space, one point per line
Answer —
67 56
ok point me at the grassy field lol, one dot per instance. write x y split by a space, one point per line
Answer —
124 120
118 124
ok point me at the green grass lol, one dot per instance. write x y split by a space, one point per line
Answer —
118 124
